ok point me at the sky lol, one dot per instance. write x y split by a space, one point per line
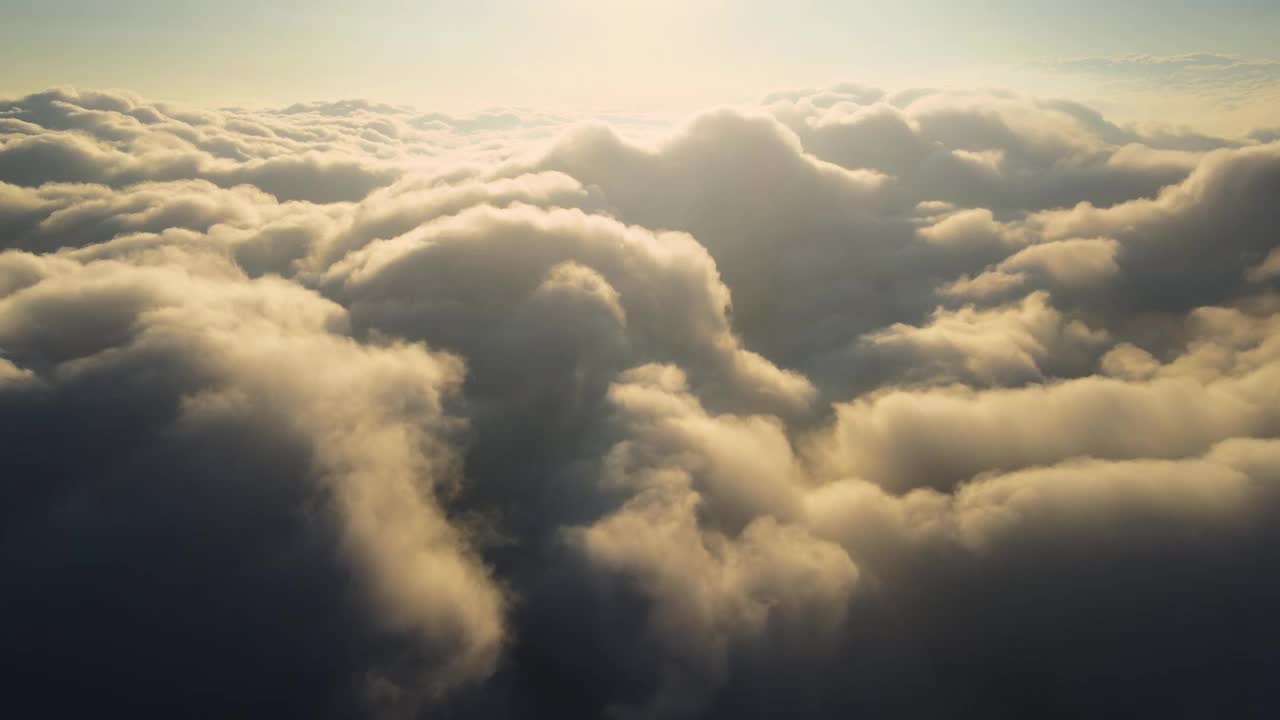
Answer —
608 53
657 360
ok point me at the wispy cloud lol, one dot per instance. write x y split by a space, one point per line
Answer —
1224 77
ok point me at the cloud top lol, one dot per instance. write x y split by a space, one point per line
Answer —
916 403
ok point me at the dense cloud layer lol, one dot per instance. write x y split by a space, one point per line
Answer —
922 404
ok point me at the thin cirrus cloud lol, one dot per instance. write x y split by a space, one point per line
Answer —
1208 73
922 403
1226 91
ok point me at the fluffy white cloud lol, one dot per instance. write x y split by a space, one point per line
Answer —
851 402
1007 345
181 423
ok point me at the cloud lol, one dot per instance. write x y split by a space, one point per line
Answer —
1004 345
996 151
917 403
1205 73
229 463
1157 89
322 153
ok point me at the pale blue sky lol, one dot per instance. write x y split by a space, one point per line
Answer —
614 53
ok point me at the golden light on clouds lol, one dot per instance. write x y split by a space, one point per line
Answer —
637 360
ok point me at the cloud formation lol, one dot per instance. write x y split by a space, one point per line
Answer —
917 403
1204 72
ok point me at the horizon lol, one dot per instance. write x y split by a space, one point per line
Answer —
627 57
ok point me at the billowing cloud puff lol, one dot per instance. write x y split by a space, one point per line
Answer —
1000 345
223 461
909 404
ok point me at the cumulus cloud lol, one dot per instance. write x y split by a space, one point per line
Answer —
1006 345
916 403
228 460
